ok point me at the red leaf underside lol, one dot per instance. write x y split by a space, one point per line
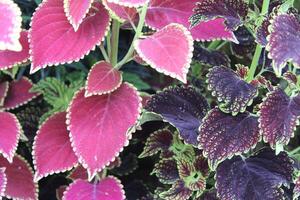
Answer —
78 173
121 13
129 3
3 181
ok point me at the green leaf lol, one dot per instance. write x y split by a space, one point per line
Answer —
135 80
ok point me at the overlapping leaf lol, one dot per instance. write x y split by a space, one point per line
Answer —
125 166
212 58
3 182
178 191
254 178
129 3
78 173
166 171
183 107
223 135
262 32
122 13
296 188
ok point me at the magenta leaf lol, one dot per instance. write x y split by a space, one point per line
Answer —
3 92
10 132
109 188
3 182
178 191
53 40
223 135
278 117
129 3
76 11
161 51
9 59
102 138
254 178
166 171
19 94
121 13
78 173
232 91
52 151
163 12
285 32
11 22
102 79
19 175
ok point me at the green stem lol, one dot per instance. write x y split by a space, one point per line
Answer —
115 42
213 45
104 54
108 45
138 33
295 151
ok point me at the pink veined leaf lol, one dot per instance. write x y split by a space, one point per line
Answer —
102 138
78 173
3 92
76 11
20 183
19 94
121 13
9 133
102 79
60 191
53 39
10 23
3 182
9 59
163 12
169 51
129 3
52 151
109 188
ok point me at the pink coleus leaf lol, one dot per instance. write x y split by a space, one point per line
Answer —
169 51
129 3
53 39
10 23
19 93
9 133
121 13
102 138
163 12
9 59
76 11
3 182
102 79
109 188
3 92
52 151
20 183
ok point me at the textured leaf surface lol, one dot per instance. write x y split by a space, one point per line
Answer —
257 177
102 79
262 32
163 12
234 93
107 189
10 21
52 147
223 135
3 182
9 59
183 107
284 41
3 92
78 173
212 58
53 40
121 13
166 171
278 117
101 139
161 51
19 93
129 3
9 133
20 183
76 11
177 192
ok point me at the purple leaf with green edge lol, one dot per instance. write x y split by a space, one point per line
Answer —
129 164
278 117
160 140
233 11
178 191
234 93
166 171
262 32
297 188
284 41
223 135
290 77
210 57
242 70
183 107
254 178
201 165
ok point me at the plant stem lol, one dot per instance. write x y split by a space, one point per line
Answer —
108 45
138 33
115 42
294 151
213 44
104 54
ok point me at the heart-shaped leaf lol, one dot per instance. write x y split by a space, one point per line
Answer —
278 117
109 188
52 151
102 79
11 22
3 182
102 138
129 3
53 40
163 12
19 93
161 51
166 171
19 175
223 135
121 13
183 107
3 92
10 132
178 191
76 11
9 59
254 178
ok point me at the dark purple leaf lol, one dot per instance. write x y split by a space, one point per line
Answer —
262 32
223 135
177 192
255 178
246 44
211 195
166 171
234 93
129 164
290 77
183 107
212 58
297 188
